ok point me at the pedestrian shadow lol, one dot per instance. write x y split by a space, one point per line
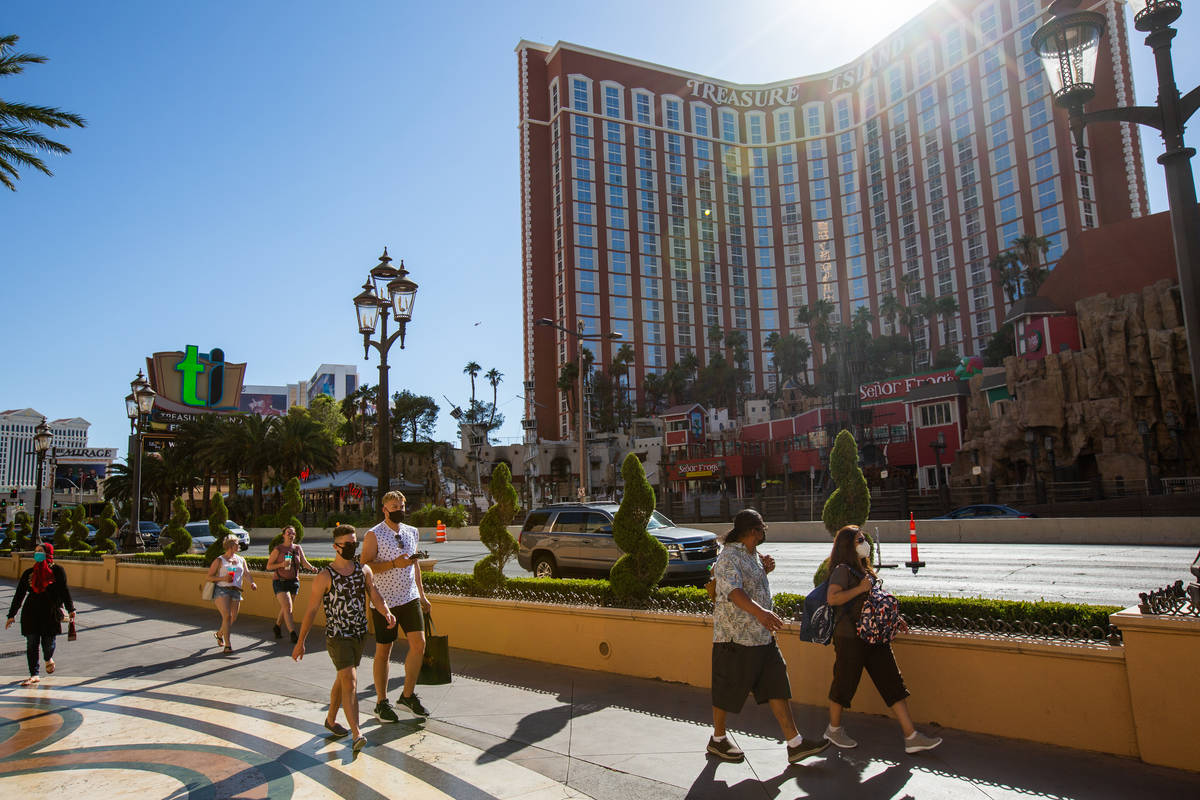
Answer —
537 727
832 776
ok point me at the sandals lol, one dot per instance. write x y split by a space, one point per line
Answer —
359 744
336 729
50 667
220 641
32 680
228 649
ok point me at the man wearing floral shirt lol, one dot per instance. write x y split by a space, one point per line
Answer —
745 656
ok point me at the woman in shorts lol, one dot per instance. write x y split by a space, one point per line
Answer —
286 561
229 572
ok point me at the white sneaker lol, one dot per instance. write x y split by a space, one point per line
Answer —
839 738
919 742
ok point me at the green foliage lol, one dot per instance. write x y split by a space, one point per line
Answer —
216 527
427 516
293 504
7 544
645 561
106 527
1000 346
328 413
62 531
493 530
850 503
180 541
79 530
21 532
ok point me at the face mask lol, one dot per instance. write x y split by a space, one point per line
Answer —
348 549
39 557
396 516
863 549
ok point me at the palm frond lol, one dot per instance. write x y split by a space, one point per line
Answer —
28 138
13 156
39 115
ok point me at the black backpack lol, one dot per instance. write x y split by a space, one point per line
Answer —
817 618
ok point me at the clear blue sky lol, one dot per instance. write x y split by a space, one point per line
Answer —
245 163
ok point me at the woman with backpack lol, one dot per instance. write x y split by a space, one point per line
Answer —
851 578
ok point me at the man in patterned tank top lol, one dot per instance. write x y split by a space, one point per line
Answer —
390 550
341 589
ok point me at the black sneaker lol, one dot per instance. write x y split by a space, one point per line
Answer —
413 704
726 750
295 637
278 632
384 712
806 748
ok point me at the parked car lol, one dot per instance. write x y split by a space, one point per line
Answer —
201 538
985 511
149 530
577 538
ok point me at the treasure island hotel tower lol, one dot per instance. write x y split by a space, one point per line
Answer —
657 202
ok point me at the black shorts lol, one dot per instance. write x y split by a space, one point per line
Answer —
408 617
738 669
289 585
852 655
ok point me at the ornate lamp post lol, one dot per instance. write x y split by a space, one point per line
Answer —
387 289
42 438
939 446
585 468
1068 45
139 403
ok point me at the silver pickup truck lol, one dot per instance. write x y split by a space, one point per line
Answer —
558 540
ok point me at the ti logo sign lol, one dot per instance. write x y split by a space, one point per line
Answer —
191 381
195 365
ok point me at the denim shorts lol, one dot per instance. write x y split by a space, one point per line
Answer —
232 592
289 585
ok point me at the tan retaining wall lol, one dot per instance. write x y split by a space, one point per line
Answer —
1138 700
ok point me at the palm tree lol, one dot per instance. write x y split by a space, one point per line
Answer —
889 309
568 382
653 392
260 442
1029 250
494 377
1006 271
18 140
932 308
302 442
816 318
472 369
195 439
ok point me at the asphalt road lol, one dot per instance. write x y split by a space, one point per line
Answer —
1098 574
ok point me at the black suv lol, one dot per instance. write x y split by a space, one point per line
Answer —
577 538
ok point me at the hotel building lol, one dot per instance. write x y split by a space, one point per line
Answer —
657 203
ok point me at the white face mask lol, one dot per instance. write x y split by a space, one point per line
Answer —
863 549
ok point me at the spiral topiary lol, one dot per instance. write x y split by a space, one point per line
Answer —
62 531
493 531
850 503
645 559
79 531
106 526
21 532
179 541
217 529
293 504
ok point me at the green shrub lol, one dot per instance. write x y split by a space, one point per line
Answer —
179 540
427 516
106 526
645 559
21 532
79 531
216 528
62 531
493 530
850 503
293 504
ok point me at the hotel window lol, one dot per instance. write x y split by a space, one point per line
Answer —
643 108
581 126
581 94
814 119
869 98
554 97
614 153
729 125
895 83
841 113
613 106
954 46
784 125
755 122
936 414
673 113
583 191
645 138
923 64
989 23
616 218
701 120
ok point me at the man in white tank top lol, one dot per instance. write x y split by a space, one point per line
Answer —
389 549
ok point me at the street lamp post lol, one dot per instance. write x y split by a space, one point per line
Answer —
139 403
787 489
939 446
1069 45
1147 433
580 337
42 437
1048 443
1031 440
387 288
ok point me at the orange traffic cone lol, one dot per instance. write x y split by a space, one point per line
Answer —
916 563
441 532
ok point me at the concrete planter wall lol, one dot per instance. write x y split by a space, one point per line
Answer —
1139 700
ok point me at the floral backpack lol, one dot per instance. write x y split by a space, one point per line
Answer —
880 617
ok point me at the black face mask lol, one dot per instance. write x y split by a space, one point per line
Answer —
396 516
348 549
